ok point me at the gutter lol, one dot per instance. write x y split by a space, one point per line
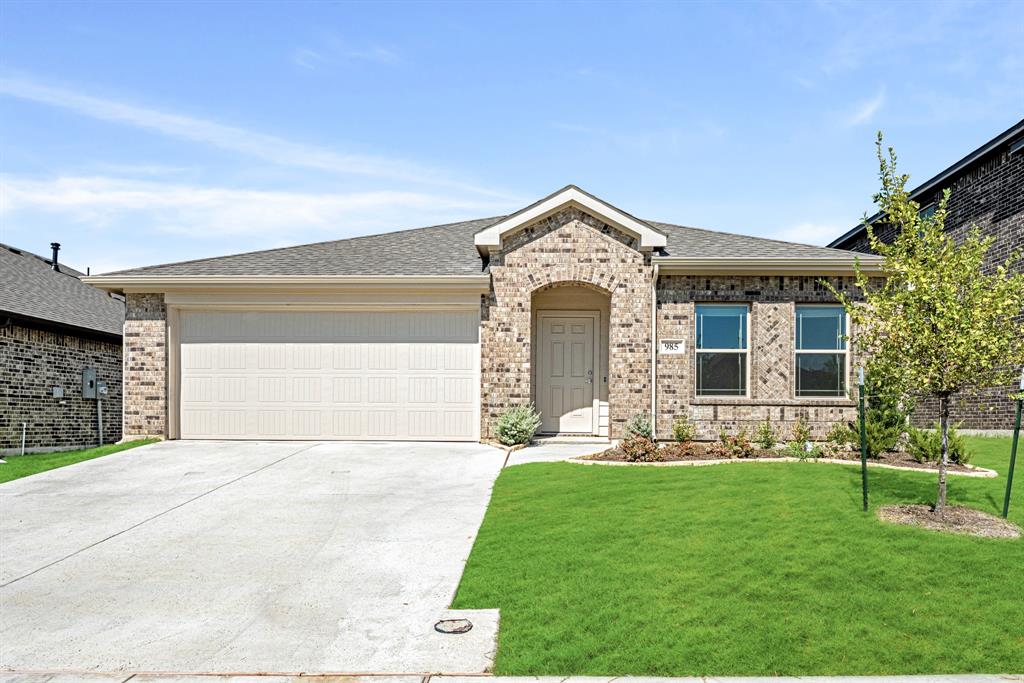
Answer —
832 265
930 184
156 283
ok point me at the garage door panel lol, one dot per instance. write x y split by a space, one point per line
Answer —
337 375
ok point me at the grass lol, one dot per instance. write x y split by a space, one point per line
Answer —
768 569
19 466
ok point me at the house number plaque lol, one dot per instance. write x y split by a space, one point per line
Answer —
670 347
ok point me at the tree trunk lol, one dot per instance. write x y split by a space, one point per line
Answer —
940 502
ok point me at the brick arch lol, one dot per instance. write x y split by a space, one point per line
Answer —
566 249
554 282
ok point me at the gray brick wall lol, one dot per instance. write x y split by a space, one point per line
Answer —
990 195
34 361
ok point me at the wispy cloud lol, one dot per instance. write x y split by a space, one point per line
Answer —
864 111
269 148
647 139
333 50
116 207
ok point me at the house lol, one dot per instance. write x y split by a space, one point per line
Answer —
429 334
987 190
52 327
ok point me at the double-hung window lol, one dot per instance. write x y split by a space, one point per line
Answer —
722 337
820 351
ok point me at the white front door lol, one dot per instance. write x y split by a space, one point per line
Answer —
565 373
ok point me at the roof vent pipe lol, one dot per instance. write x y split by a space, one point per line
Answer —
53 263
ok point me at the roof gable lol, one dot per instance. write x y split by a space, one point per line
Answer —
570 196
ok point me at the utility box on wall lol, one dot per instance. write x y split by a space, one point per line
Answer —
89 383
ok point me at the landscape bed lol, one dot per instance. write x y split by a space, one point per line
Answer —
696 451
768 570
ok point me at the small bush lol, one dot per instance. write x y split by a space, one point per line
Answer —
738 446
925 445
765 436
640 425
680 450
517 425
804 450
683 430
801 432
639 448
841 434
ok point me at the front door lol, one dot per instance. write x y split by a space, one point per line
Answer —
565 373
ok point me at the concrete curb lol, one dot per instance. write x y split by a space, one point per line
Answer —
978 473
296 677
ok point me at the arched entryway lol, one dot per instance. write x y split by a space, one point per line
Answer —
569 364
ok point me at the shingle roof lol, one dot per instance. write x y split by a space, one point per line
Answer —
437 250
448 250
30 288
700 243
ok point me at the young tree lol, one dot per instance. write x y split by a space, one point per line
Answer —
936 324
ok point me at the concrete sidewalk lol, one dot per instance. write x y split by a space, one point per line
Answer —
67 677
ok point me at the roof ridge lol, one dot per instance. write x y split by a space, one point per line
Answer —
303 245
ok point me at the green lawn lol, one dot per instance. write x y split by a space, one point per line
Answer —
745 570
19 466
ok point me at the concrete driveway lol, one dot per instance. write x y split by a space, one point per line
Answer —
195 557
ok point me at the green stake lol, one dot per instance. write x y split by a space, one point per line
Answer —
1013 449
863 439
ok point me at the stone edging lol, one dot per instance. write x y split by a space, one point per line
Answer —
979 472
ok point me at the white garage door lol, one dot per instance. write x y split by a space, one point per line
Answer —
330 375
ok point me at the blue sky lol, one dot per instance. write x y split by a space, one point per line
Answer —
146 133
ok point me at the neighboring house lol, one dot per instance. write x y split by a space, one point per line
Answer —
987 190
431 333
52 326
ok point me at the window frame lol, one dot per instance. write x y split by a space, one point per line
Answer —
845 352
745 351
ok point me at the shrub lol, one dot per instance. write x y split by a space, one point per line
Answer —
738 446
801 432
683 430
766 437
639 448
841 434
925 445
517 425
804 450
640 425
885 417
680 450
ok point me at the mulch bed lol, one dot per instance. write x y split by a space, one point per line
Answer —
697 450
955 520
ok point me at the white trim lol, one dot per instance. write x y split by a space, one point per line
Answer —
595 426
157 283
748 333
654 353
835 265
845 351
571 196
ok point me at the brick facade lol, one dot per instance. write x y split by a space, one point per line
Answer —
32 363
990 195
145 366
772 383
569 247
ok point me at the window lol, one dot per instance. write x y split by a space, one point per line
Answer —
820 351
721 350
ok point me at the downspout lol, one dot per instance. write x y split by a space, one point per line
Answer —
654 354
